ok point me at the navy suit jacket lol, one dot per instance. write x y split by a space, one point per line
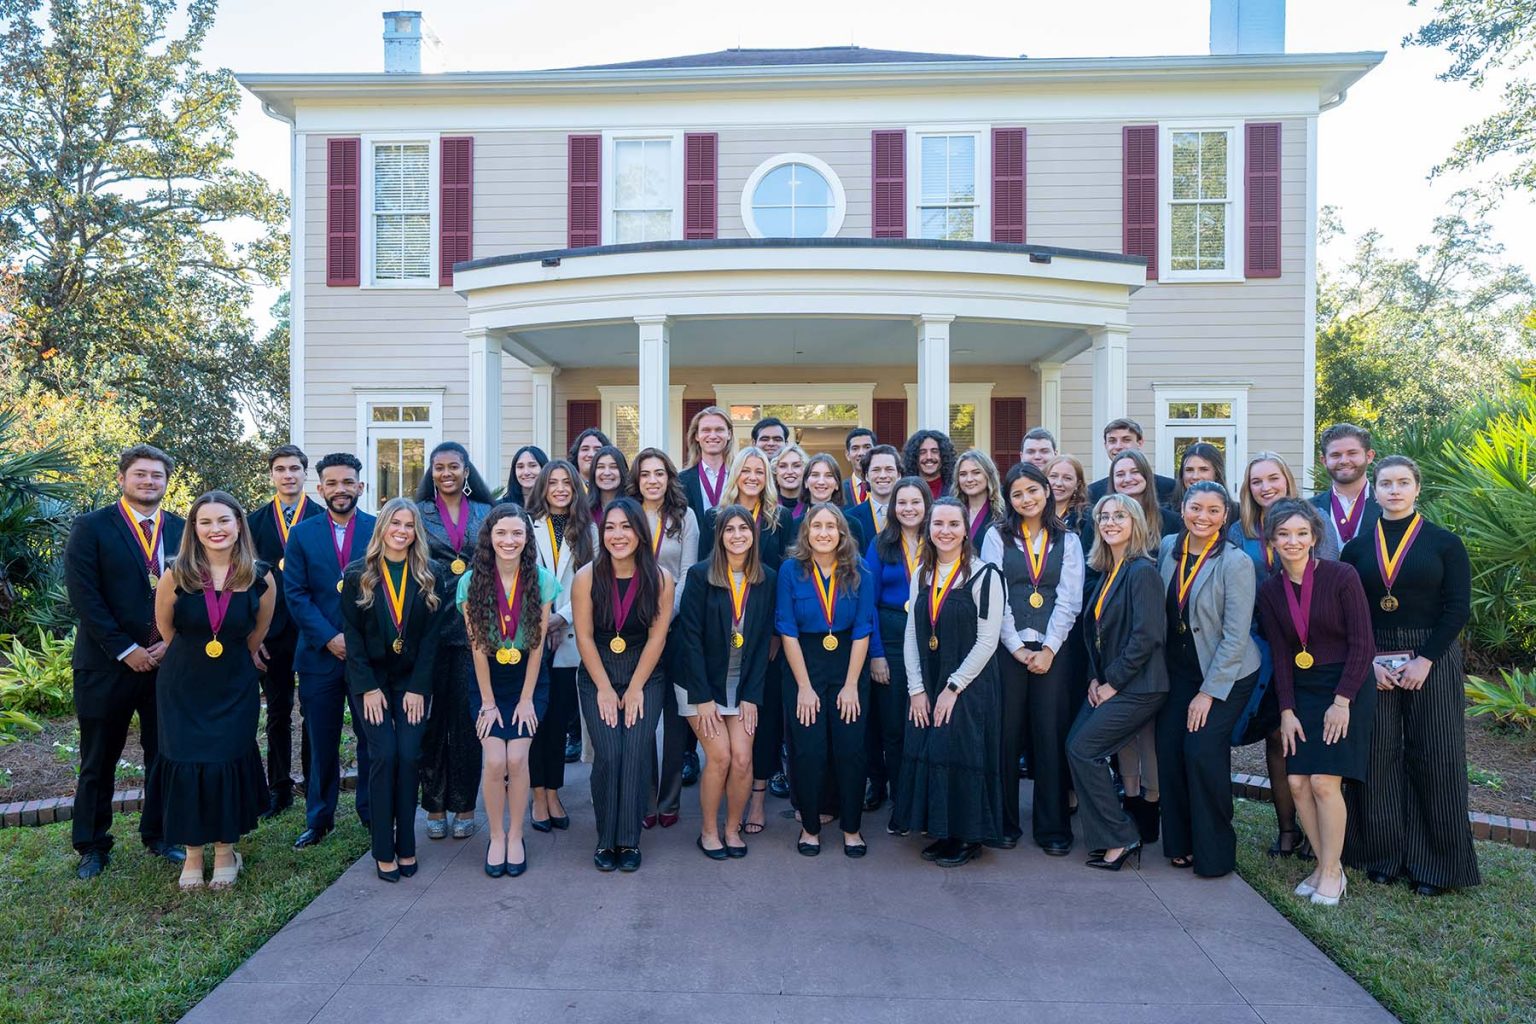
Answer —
309 583
861 519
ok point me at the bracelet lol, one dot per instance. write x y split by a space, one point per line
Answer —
487 708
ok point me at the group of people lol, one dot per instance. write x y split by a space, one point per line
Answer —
925 633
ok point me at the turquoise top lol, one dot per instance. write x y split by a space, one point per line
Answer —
549 589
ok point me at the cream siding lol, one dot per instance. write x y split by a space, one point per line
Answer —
846 149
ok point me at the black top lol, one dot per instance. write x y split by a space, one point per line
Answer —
1100 487
1125 644
269 543
372 663
1183 658
704 634
1336 629
108 581
771 543
1434 582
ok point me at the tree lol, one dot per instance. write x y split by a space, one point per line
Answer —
118 201
1401 341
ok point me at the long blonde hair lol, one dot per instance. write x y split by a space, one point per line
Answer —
191 566
416 557
1249 512
1101 558
768 508
692 450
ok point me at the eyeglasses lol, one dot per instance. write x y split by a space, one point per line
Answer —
1112 517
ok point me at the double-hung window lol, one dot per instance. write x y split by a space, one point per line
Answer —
402 183
645 188
949 195
1200 168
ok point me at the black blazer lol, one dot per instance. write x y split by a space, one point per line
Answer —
1165 485
109 588
693 487
370 632
771 543
1126 649
704 625
269 549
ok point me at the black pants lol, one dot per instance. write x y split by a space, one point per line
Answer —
827 754
1096 734
394 750
279 688
1195 776
1037 715
887 712
106 700
768 741
669 768
546 755
450 750
623 758
325 702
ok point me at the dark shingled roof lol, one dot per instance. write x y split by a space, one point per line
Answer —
748 57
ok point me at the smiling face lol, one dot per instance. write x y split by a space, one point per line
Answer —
1064 483
508 538
619 536
929 460
1117 441
448 473
1114 525
339 488
1196 468
714 436
1037 451
527 470
750 480
822 532
1204 515
821 482
287 475
606 474
651 477
1396 490
399 534
909 507
1127 478
1027 498
971 479
143 482
218 527
946 531
789 472
882 476
1266 482
586 451
1346 459
558 491
771 440
736 537
1294 539
858 448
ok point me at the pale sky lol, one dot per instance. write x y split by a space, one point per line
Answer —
1376 150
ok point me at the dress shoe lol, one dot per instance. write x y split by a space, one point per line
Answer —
629 858
667 820
311 837
648 822
690 768
936 849
437 828
1424 889
92 863
1331 901
1005 843
409 870
808 849
718 854
572 751
735 852
541 824
1147 815
606 860
779 785
1056 848
517 868
560 821
392 875
961 854
174 854
1024 772
873 798
224 878
1380 877
278 802
855 850
1104 864
463 828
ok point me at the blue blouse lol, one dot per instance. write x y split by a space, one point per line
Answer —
799 605
892 589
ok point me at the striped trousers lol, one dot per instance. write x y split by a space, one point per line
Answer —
1409 817
623 757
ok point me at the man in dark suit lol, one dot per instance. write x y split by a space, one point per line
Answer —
114 559
1120 435
318 550
1348 507
856 446
881 468
270 524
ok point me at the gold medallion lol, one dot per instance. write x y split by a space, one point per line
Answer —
1389 603
906 606
281 564
1037 600
829 642
213 648
504 655
1183 626
398 645
458 566
1304 659
154 581
617 645
736 638
933 642
338 586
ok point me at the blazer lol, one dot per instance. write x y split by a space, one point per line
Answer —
771 543
694 488
104 572
270 549
309 584
371 664
849 498
1220 611
1332 544
1129 652
704 628
1165 485
566 655
861 519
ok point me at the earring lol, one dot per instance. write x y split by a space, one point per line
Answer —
467 490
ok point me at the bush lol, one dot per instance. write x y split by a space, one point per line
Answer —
36 505
38 682
1510 700
13 725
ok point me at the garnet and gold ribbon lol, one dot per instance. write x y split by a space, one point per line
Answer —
938 593
1109 581
1391 562
218 607
396 603
1301 614
506 617
738 608
149 546
1187 579
554 546
1036 565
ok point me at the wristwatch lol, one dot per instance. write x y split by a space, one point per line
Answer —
953 687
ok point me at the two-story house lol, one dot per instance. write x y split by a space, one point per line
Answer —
836 236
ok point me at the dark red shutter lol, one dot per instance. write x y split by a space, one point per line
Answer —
1139 194
343 259
692 407
891 421
888 172
1007 432
584 210
1261 200
456 205
1008 162
700 184
580 414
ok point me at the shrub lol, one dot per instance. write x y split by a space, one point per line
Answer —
1510 700
13 725
38 682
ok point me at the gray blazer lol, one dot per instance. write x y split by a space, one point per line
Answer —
1221 603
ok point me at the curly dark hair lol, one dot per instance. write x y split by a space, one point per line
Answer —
481 602
674 501
946 456
647 570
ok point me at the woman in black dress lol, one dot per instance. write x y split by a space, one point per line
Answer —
1409 817
505 601
213 618
453 501
951 762
623 606
527 462
392 605
723 636
1314 613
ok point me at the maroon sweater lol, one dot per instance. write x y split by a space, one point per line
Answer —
1339 629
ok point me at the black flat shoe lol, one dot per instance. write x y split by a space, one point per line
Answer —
936 849
495 870
277 803
1103 864
409 870
561 821
1056 849
629 859
855 850
387 876
736 852
1005 843
1426 889
719 854
808 849
1380 877
174 854
961 854
542 824
779 785
92 863
311 837
606 860
513 870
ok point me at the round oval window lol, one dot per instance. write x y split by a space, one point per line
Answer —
793 200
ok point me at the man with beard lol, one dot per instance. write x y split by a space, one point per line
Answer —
317 554
1348 507
114 560
270 525
769 436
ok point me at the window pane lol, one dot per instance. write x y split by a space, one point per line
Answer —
775 187
775 222
1186 165
1216 410
934 223
1183 410
1212 236
948 168
385 414
962 225
1183 237
962 425
642 176
626 427
811 222
962 169
386 468
1213 165
413 462
811 189
935 168
416 413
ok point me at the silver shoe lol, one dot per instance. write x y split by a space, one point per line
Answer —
463 828
1304 890
437 828
1331 901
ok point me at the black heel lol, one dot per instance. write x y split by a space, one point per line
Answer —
392 875
1280 848
1134 850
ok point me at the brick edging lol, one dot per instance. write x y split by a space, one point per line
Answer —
62 808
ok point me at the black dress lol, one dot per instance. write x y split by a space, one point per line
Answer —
211 777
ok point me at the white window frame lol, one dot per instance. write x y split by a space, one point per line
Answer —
611 139
368 433
1236 159
983 135
434 207
977 394
1165 394
614 395
839 197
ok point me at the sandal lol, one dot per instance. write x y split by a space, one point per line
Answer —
190 880
1182 862
1285 843
224 878
753 828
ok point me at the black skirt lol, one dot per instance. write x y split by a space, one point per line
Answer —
1350 757
507 689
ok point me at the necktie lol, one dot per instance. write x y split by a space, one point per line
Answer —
288 515
147 528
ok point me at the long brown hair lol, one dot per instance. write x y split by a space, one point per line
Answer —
720 560
930 553
484 629
577 535
1079 502
191 565
847 554
824 459
416 558
1147 499
674 501
647 569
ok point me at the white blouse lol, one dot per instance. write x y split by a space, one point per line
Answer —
986 589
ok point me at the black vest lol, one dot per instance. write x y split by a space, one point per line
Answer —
1016 575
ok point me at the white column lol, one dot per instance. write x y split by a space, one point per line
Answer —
543 405
655 379
484 400
1109 385
1050 398
933 372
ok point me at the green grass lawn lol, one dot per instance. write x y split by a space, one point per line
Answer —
1460 958
129 947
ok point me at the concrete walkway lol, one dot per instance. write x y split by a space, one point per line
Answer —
1014 937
